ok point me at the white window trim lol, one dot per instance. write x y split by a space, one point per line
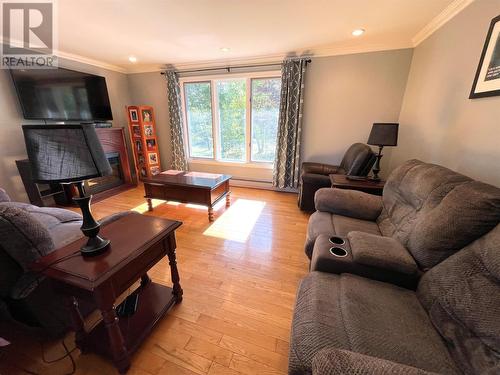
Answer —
215 131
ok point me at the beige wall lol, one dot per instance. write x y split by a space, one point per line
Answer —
344 96
439 124
11 118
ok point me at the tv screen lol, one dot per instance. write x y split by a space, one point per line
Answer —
62 95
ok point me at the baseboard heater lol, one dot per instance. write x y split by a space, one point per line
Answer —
257 184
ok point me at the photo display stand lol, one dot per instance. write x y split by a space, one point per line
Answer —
144 140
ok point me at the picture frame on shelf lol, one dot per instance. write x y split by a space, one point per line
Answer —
155 170
151 144
487 79
147 115
136 131
140 159
134 117
138 145
153 158
148 130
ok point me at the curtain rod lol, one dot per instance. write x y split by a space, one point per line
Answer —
228 68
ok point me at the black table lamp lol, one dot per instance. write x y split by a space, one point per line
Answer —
382 134
69 154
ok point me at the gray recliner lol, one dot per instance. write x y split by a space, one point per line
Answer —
27 233
430 210
357 161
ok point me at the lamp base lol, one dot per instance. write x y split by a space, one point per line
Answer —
95 246
90 227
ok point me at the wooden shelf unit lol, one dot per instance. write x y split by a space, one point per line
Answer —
144 140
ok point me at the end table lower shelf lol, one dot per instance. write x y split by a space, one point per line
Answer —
154 301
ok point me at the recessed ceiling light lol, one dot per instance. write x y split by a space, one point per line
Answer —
225 49
358 32
132 59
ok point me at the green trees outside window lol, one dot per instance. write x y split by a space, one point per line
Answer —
221 127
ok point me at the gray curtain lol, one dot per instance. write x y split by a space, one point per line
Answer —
286 164
179 160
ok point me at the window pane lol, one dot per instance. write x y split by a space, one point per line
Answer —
231 96
265 113
199 119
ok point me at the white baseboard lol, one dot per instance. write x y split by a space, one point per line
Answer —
253 184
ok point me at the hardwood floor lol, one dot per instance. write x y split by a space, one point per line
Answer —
239 275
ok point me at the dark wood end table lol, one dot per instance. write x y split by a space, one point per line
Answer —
137 243
366 185
189 187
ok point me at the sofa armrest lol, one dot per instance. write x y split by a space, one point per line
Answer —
320 168
352 203
381 252
341 362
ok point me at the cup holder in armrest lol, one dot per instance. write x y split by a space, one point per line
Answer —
336 240
338 252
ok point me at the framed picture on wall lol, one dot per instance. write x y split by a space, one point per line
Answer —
487 80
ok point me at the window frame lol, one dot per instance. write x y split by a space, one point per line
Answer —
215 160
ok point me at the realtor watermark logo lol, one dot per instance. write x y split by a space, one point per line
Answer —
29 34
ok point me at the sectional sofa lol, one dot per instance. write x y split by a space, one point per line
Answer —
418 288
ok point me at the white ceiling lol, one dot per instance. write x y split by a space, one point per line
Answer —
190 32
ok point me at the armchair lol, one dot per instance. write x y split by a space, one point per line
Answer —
357 161
28 232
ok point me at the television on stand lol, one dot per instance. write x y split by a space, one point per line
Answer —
62 95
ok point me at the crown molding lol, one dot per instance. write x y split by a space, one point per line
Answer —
89 61
437 22
273 58
70 56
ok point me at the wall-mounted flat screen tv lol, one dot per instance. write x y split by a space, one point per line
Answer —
62 95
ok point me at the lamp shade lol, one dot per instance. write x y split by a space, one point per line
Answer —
384 134
65 153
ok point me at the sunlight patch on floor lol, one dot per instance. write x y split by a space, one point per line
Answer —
142 208
237 222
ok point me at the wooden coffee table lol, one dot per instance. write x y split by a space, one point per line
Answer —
188 187
137 243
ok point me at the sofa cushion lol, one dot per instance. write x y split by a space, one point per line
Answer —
461 295
364 316
24 240
434 211
382 252
343 225
328 224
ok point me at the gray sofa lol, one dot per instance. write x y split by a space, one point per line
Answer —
430 210
28 232
447 225
346 324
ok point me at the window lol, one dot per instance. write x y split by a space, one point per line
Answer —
233 119
199 117
265 113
